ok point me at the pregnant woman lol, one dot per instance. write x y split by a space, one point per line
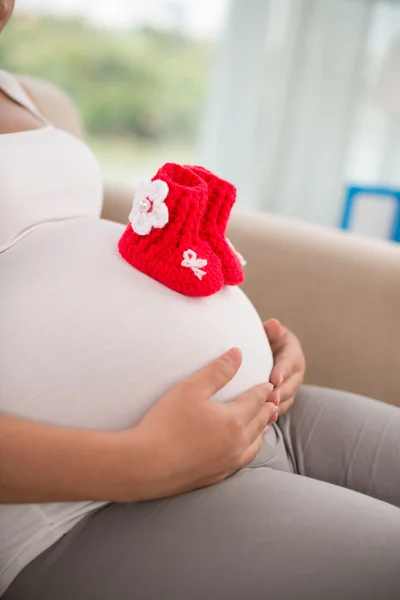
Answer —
133 462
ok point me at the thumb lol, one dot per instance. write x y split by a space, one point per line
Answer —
273 329
214 376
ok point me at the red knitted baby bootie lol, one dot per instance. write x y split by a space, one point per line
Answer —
221 198
162 239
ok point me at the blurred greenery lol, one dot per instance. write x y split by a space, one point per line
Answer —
145 83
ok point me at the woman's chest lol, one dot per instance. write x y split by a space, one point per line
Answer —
46 175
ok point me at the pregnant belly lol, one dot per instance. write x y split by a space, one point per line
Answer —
90 342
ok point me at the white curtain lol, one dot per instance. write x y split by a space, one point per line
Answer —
303 101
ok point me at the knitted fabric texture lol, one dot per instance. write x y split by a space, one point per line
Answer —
221 198
174 253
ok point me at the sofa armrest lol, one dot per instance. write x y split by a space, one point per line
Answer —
117 202
338 292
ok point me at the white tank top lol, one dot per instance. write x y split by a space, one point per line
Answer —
45 174
88 341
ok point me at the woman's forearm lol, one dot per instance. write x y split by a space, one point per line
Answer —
45 463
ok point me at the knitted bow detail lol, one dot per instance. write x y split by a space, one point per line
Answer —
191 261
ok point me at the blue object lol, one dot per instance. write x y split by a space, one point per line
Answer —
351 198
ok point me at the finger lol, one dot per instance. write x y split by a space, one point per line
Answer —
248 405
276 377
251 451
213 377
267 414
284 406
281 371
275 396
273 329
291 386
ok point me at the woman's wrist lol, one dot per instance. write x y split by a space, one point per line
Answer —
46 463
119 478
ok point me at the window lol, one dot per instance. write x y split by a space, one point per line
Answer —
137 71
306 100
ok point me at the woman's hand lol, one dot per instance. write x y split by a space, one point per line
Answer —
188 441
289 364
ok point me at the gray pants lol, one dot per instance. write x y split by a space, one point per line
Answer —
316 516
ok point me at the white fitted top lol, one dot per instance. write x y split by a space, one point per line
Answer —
86 340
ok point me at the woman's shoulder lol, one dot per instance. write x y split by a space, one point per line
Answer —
53 103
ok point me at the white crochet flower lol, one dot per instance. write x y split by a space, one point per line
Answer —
149 209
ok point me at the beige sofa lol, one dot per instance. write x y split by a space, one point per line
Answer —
340 294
